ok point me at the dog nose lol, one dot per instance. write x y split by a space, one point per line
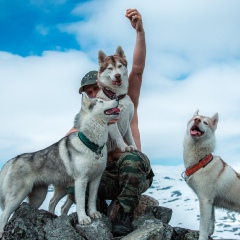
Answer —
197 120
118 76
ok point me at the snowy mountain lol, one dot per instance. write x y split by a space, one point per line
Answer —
173 192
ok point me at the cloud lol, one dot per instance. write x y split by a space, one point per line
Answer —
39 98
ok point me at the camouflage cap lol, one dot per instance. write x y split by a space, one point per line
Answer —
88 79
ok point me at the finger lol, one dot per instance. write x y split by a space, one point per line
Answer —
131 9
132 13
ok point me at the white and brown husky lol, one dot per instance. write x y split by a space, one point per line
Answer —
215 183
113 81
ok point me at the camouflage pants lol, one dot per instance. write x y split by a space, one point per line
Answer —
126 179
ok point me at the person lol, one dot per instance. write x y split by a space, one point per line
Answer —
127 174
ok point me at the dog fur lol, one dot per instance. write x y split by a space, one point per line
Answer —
66 162
113 77
216 184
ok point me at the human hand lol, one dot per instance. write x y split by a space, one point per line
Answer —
135 18
71 131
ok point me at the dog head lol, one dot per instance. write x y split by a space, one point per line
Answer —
104 111
200 127
113 73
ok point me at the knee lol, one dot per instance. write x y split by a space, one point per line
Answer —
130 160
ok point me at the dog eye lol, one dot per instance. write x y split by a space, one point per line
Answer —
205 122
101 101
110 68
119 66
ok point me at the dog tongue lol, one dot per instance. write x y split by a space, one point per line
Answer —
195 133
118 83
113 110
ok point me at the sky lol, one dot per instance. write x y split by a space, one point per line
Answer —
193 62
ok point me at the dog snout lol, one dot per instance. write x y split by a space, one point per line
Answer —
118 76
197 120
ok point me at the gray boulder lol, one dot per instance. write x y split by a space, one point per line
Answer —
151 224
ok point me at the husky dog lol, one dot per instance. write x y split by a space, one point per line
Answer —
113 81
80 158
215 183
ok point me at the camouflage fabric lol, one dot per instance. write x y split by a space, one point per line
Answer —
88 79
144 202
125 180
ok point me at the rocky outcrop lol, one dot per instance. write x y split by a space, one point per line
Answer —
151 224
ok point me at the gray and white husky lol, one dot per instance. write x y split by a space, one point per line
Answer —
79 158
215 183
113 82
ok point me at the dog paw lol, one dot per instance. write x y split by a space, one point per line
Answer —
123 147
95 215
84 220
130 148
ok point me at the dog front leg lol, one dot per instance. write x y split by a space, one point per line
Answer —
129 138
93 190
80 194
206 210
117 137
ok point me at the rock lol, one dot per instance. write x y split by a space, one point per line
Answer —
150 231
61 228
27 223
99 229
144 202
150 223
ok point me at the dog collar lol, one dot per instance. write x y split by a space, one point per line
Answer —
201 164
94 147
112 95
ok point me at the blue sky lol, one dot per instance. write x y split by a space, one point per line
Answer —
193 62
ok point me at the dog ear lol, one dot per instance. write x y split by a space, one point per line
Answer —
215 119
101 56
120 52
86 101
196 113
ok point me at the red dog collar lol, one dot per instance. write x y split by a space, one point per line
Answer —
202 163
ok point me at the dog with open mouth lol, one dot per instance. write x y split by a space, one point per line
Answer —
113 81
78 159
215 183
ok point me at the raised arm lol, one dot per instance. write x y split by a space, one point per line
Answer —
135 76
